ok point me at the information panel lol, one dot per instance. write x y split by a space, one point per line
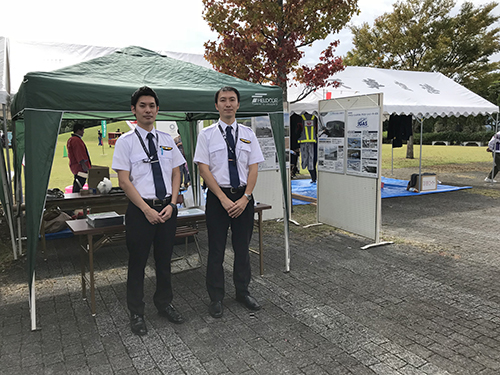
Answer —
349 158
331 142
264 134
363 128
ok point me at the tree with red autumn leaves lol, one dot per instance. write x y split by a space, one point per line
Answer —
260 40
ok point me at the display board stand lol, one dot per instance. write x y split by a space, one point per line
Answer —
349 163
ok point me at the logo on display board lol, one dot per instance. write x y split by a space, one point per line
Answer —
260 99
362 122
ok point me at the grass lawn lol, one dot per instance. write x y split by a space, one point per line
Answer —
61 176
103 155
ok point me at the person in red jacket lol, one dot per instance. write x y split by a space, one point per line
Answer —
79 159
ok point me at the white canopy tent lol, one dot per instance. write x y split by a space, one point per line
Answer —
421 94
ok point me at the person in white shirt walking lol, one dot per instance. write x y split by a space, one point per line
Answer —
494 147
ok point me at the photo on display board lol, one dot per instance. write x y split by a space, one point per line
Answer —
332 129
354 142
353 154
353 165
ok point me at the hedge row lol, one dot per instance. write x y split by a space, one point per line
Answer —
455 138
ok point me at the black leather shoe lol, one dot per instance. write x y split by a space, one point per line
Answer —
138 325
249 302
171 314
215 309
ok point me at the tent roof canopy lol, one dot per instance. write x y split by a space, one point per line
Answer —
423 94
101 88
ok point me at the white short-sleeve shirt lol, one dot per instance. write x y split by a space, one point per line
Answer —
494 143
211 149
130 156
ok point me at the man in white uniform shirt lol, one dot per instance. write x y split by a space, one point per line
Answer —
147 163
227 154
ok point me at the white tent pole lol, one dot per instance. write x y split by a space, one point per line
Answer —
420 158
392 157
7 155
33 304
7 196
287 246
19 199
18 195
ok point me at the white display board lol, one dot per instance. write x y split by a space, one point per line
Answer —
269 187
349 161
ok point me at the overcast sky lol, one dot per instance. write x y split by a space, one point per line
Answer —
169 25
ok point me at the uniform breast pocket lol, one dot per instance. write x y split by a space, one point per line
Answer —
244 154
165 158
218 153
139 167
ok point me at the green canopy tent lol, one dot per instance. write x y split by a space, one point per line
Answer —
101 89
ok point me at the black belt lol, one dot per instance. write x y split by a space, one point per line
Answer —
232 190
158 202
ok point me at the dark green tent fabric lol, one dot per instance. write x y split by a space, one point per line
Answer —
101 89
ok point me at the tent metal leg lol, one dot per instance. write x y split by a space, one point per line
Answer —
33 304
19 235
7 154
7 195
493 153
392 158
421 120
287 246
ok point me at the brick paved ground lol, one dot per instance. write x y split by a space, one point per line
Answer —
429 304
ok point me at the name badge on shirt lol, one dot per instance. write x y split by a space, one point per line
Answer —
245 141
166 148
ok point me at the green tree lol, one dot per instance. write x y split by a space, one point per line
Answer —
261 41
422 35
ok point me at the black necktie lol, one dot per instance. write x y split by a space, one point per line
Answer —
160 189
233 168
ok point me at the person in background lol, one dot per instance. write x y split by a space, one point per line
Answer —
185 179
228 155
308 144
147 163
494 147
78 155
99 138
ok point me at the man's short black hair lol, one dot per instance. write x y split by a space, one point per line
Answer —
226 89
144 91
78 126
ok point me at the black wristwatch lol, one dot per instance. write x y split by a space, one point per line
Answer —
174 206
249 196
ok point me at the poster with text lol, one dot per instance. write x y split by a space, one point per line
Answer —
264 133
270 155
362 132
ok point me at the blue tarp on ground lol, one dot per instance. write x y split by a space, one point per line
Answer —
392 188
397 188
303 187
